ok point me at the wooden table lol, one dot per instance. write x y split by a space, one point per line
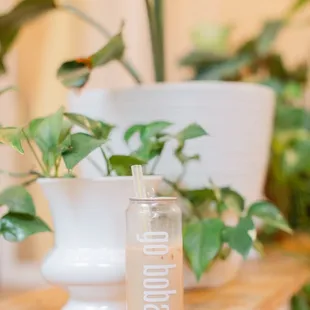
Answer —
261 285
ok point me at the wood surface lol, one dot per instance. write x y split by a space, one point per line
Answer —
264 284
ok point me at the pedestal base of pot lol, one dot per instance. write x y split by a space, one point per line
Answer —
96 298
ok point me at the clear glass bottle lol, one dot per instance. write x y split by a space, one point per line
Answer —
154 254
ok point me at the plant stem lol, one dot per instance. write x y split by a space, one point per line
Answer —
106 160
96 166
29 182
34 153
126 64
155 12
57 165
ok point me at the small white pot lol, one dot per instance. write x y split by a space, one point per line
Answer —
221 272
88 259
237 116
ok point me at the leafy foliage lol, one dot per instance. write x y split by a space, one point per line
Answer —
202 243
75 73
12 22
206 233
253 61
153 137
289 173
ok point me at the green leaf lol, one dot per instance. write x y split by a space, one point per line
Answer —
6 89
269 214
98 129
121 164
295 158
226 69
12 136
17 227
31 129
199 196
202 242
288 117
232 199
300 302
202 59
268 35
112 51
46 133
76 73
18 200
13 21
192 131
297 5
152 129
81 146
149 150
238 237
131 131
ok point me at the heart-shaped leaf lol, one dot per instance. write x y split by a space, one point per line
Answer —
131 131
31 129
199 196
98 129
17 227
149 150
12 22
238 237
202 243
152 129
12 136
232 199
121 164
81 146
75 73
113 50
47 132
192 131
269 214
18 200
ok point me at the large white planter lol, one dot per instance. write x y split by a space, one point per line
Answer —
238 117
88 259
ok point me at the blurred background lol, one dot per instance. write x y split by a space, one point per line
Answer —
45 43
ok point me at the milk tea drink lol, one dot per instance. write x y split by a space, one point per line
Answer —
154 255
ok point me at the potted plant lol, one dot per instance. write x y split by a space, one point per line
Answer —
288 178
255 60
226 161
219 229
88 214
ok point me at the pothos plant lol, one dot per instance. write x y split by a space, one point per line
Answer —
254 59
57 151
207 234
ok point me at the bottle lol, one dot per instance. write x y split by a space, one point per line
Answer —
154 254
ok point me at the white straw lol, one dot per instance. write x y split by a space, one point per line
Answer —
138 183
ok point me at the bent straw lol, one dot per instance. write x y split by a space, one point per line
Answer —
138 183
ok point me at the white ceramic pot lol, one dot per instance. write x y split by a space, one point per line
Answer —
237 116
221 272
88 259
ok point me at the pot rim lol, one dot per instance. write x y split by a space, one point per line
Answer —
99 179
199 85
